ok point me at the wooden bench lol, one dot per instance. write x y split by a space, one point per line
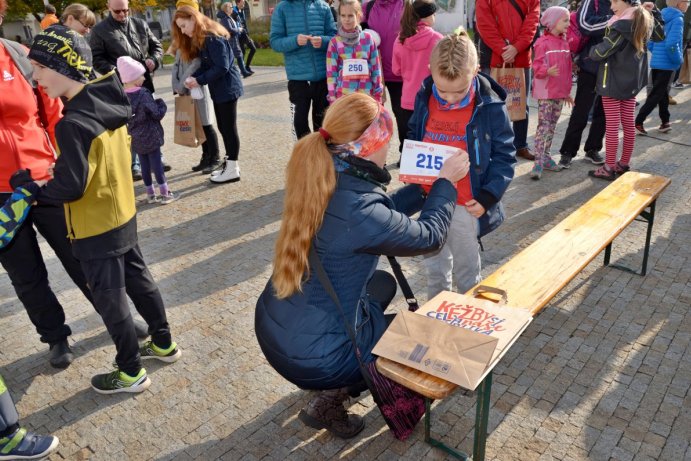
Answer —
535 275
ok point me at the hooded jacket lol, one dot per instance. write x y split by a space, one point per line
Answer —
384 17
92 176
303 336
411 61
499 24
669 53
490 146
309 17
110 39
623 71
551 50
145 124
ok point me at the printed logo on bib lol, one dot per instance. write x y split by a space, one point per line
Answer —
355 69
6 76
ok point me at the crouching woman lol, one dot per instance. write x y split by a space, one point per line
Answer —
335 203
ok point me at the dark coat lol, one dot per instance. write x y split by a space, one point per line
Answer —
303 336
217 70
110 39
145 124
490 146
232 27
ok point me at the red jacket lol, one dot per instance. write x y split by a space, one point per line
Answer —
499 22
24 142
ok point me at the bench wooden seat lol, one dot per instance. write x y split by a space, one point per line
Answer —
536 274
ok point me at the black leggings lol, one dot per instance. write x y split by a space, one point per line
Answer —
227 121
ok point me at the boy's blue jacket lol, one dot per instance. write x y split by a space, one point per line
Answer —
309 17
15 210
217 70
490 146
669 53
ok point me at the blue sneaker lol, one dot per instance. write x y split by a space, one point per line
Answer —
27 445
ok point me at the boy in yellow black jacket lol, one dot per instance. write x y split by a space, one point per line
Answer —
92 178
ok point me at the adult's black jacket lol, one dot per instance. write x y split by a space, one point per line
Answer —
111 39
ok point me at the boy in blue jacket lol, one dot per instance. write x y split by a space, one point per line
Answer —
668 56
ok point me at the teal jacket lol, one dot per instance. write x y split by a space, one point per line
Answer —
309 17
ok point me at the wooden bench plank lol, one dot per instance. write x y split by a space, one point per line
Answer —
536 274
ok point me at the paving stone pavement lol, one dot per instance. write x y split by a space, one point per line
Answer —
603 373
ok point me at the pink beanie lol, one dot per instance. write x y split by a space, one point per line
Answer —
553 14
129 69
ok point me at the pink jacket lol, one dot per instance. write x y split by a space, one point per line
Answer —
551 50
411 61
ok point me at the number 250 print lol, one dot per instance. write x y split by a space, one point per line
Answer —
354 67
432 161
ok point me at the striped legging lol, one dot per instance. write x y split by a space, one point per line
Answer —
619 112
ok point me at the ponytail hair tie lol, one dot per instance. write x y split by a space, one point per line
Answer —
325 134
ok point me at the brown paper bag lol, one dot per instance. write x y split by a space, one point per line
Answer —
454 337
512 80
685 73
188 127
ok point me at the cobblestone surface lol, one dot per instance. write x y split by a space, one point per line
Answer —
603 373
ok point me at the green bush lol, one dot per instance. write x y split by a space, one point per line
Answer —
259 32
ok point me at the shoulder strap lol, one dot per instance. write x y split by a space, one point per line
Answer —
518 8
20 58
403 283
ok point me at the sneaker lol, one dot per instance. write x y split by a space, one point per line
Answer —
549 164
170 198
119 381
213 166
153 198
665 128
166 167
27 445
565 161
641 131
603 173
536 172
149 350
595 157
136 175
61 356
220 169
620 168
677 85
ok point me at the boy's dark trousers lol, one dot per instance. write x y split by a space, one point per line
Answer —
23 262
658 96
583 102
302 95
111 281
246 41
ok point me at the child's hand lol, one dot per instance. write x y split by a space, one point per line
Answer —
316 41
553 71
303 39
569 101
51 170
474 208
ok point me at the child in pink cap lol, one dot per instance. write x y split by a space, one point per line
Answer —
551 84
145 128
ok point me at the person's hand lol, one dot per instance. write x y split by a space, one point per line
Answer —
509 53
474 208
191 82
650 6
455 167
316 41
303 39
569 101
553 71
150 64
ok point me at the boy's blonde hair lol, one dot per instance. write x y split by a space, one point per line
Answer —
454 56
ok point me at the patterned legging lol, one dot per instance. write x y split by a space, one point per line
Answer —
619 112
548 114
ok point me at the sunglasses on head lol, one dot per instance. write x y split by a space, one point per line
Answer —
125 11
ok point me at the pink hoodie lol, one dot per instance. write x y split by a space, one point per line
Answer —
551 50
411 61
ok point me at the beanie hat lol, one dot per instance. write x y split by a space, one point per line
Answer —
64 51
191 3
424 9
552 15
129 69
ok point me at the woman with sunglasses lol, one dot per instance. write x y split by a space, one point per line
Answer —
336 207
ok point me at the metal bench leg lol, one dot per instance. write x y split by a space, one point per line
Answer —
436 443
481 418
646 216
